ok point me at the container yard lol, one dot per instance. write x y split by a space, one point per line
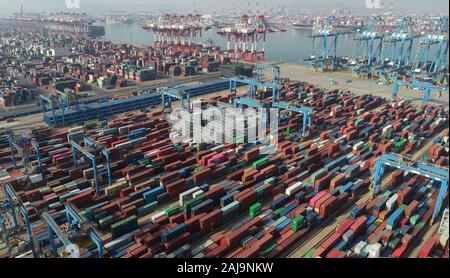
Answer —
190 151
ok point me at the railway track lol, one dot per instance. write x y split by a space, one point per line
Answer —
329 226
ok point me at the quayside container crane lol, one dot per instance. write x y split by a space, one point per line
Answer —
427 89
431 62
324 45
176 30
437 174
249 37
395 57
367 49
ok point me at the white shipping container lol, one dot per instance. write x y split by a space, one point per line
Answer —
196 193
187 195
392 201
76 129
358 146
386 128
291 190
157 215
36 178
359 247
374 250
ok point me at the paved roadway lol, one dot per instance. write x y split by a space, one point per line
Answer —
357 86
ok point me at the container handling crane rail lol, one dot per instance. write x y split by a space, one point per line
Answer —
426 87
438 175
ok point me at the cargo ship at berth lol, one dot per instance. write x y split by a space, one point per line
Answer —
309 23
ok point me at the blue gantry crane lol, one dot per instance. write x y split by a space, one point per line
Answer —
427 89
275 71
78 222
367 48
77 148
431 62
324 45
395 58
170 94
35 145
252 85
16 143
243 101
65 98
9 210
54 229
438 175
44 101
307 113
88 142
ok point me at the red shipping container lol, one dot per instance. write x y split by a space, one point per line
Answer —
359 224
211 221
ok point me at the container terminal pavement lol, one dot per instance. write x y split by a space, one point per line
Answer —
365 180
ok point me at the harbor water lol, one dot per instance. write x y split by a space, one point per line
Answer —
291 46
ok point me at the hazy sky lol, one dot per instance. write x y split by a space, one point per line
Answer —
95 6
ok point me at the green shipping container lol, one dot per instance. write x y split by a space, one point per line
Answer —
260 163
106 221
298 223
124 226
279 211
401 144
393 243
413 220
193 202
246 240
268 249
171 211
255 210
421 224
